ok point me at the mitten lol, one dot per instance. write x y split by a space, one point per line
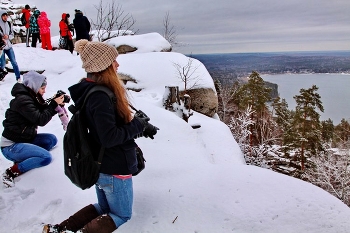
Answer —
63 115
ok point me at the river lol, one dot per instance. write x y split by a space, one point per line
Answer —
334 90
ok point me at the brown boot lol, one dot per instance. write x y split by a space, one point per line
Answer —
79 219
101 224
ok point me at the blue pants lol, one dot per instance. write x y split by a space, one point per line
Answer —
31 155
11 55
115 198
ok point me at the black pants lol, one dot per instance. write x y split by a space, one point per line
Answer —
69 44
35 38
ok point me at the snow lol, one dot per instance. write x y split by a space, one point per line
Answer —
195 180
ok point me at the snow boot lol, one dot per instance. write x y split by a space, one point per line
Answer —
3 73
8 177
74 222
48 228
101 224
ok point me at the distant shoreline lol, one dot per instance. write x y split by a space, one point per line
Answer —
346 52
229 67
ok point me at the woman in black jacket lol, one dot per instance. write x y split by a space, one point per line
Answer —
111 125
20 141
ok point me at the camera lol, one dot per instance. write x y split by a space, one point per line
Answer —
66 98
71 27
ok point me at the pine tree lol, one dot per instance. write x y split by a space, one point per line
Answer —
327 131
307 123
257 95
342 132
284 119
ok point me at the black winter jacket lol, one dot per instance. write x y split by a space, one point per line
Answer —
106 128
81 26
27 111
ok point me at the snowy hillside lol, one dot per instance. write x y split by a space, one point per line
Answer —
195 179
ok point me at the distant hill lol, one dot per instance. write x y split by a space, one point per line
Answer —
228 67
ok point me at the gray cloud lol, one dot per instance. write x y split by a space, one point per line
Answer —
213 26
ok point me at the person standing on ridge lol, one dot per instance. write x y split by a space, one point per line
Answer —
66 33
7 35
34 27
81 25
44 26
26 12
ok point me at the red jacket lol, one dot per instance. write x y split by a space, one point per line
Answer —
64 30
26 13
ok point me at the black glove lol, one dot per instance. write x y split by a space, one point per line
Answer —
143 120
150 130
142 115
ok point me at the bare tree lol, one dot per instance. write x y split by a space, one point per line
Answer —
227 93
187 74
240 126
331 172
169 33
112 21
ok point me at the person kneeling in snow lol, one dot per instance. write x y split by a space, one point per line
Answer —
20 141
114 187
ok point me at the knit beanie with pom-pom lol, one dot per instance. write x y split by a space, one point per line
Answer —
96 56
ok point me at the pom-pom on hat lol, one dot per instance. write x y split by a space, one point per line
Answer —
96 56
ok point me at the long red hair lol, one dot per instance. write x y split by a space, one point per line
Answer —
109 78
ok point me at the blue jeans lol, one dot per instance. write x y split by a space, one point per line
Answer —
31 155
115 198
11 55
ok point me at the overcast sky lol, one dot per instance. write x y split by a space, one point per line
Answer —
224 26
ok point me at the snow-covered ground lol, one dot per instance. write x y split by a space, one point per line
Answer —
195 179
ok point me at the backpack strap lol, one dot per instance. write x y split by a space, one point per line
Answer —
10 32
100 88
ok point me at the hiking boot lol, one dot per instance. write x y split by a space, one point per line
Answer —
8 177
3 73
48 228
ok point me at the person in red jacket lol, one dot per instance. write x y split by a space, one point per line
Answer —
26 12
44 25
66 33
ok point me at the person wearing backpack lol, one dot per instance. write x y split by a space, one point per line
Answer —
44 27
25 21
34 28
66 33
7 35
20 141
112 126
